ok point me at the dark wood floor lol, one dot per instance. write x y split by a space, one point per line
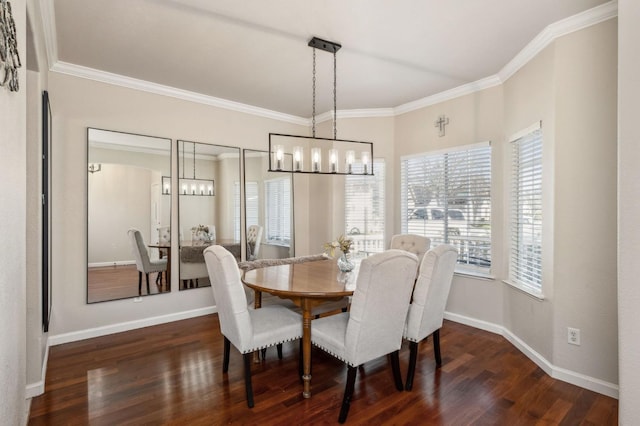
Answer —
172 374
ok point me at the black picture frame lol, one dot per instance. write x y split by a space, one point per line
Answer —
47 138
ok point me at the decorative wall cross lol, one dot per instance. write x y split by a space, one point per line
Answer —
441 122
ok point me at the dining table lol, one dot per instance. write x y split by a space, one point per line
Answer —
308 285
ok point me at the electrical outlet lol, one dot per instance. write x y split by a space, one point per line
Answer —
573 336
137 299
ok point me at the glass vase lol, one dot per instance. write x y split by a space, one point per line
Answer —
344 263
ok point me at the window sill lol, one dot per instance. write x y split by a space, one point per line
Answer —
276 243
475 274
529 292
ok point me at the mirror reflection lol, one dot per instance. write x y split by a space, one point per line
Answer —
209 206
126 210
268 208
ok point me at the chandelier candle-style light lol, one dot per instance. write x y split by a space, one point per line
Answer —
193 185
287 152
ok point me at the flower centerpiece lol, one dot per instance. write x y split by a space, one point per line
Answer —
200 234
344 245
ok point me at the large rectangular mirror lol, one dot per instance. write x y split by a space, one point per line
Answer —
268 208
209 207
126 209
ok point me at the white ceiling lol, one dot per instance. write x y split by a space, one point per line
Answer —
255 51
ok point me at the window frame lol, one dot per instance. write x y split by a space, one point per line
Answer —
517 218
462 268
284 229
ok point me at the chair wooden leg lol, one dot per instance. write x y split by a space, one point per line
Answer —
148 290
225 359
395 366
413 355
247 378
264 353
279 347
436 347
348 393
159 277
140 283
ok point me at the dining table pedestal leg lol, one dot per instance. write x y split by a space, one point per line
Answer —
306 348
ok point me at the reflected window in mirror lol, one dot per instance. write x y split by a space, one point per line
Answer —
126 215
268 204
209 206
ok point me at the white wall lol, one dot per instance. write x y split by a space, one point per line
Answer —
629 210
13 214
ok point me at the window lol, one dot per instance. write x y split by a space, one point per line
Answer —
251 206
364 209
446 196
525 260
278 210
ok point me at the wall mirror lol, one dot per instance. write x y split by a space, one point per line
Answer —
126 209
268 208
209 207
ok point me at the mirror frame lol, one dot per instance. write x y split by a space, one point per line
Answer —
171 145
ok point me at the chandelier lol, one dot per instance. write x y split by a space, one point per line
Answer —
287 153
190 185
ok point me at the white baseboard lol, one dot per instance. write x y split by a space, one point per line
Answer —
587 382
116 263
129 325
37 388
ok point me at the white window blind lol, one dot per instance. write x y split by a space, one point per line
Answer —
251 207
525 265
446 196
278 210
364 208
236 211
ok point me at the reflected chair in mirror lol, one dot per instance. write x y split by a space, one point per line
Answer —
247 329
144 263
426 311
212 233
373 327
254 239
164 237
192 266
416 244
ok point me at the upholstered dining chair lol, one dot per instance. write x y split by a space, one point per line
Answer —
164 237
247 329
429 298
416 244
373 327
254 238
144 264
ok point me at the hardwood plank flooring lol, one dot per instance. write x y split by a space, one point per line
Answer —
172 374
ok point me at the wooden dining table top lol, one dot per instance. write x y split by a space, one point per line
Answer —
316 279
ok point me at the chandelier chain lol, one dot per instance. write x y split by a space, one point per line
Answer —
335 105
313 112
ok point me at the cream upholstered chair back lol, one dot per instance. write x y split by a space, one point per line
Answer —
379 305
139 250
229 295
416 244
164 235
431 292
254 238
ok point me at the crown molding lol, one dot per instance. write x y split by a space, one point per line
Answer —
456 92
543 39
556 30
48 17
159 89
534 47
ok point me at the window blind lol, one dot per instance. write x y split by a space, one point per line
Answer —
525 265
251 203
446 196
364 208
278 210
